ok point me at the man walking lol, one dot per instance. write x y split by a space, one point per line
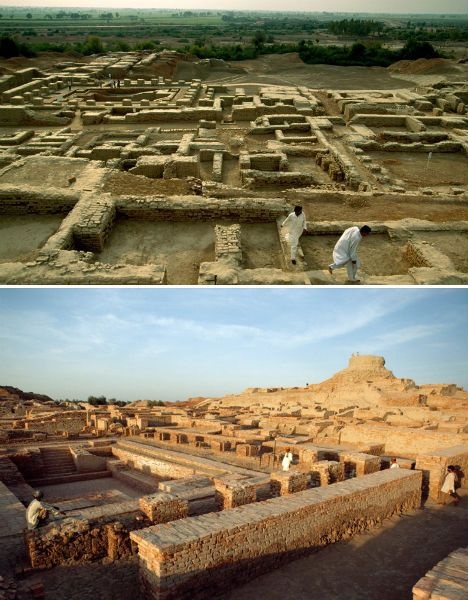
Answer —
296 225
345 251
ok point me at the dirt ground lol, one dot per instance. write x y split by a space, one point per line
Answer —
452 244
380 209
288 69
39 171
261 246
22 235
418 170
378 254
181 246
123 183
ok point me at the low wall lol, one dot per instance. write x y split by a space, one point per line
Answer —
398 441
86 462
152 464
194 208
182 558
99 532
23 199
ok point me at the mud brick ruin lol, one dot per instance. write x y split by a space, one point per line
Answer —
193 494
165 181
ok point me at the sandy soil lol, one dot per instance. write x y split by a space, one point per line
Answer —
452 244
39 171
123 183
22 235
181 246
288 69
261 246
417 171
378 254
379 209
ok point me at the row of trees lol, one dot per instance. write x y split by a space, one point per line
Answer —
355 27
360 54
10 47
365 55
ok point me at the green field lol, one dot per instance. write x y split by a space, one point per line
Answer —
225 34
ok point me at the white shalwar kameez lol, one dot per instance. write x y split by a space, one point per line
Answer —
295 225
449 483
287 460
345 252
35 512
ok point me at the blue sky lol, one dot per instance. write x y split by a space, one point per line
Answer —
173 343
373 6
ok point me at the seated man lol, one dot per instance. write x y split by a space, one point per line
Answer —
38 511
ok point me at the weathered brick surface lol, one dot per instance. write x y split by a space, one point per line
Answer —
98 532
231 491
325 472
448 580
163 507
288 482
182 558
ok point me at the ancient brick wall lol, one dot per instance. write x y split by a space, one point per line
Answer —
190 208
58 424
400 440
182 558
17 200
154 465
284 483
163 507
99 532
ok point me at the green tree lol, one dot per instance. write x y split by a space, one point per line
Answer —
8 47
93 45
97 400
259 40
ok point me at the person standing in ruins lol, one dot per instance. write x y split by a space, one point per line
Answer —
448 487
296 225
287 460
345 251
394 464
39 511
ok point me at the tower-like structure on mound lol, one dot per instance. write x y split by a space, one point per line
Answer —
361 366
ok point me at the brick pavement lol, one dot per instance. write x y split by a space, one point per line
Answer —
12 513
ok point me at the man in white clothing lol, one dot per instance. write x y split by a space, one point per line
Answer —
345 251
287 460
449 485
39 511
296 225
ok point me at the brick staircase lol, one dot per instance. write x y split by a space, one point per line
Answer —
60 468
58 462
